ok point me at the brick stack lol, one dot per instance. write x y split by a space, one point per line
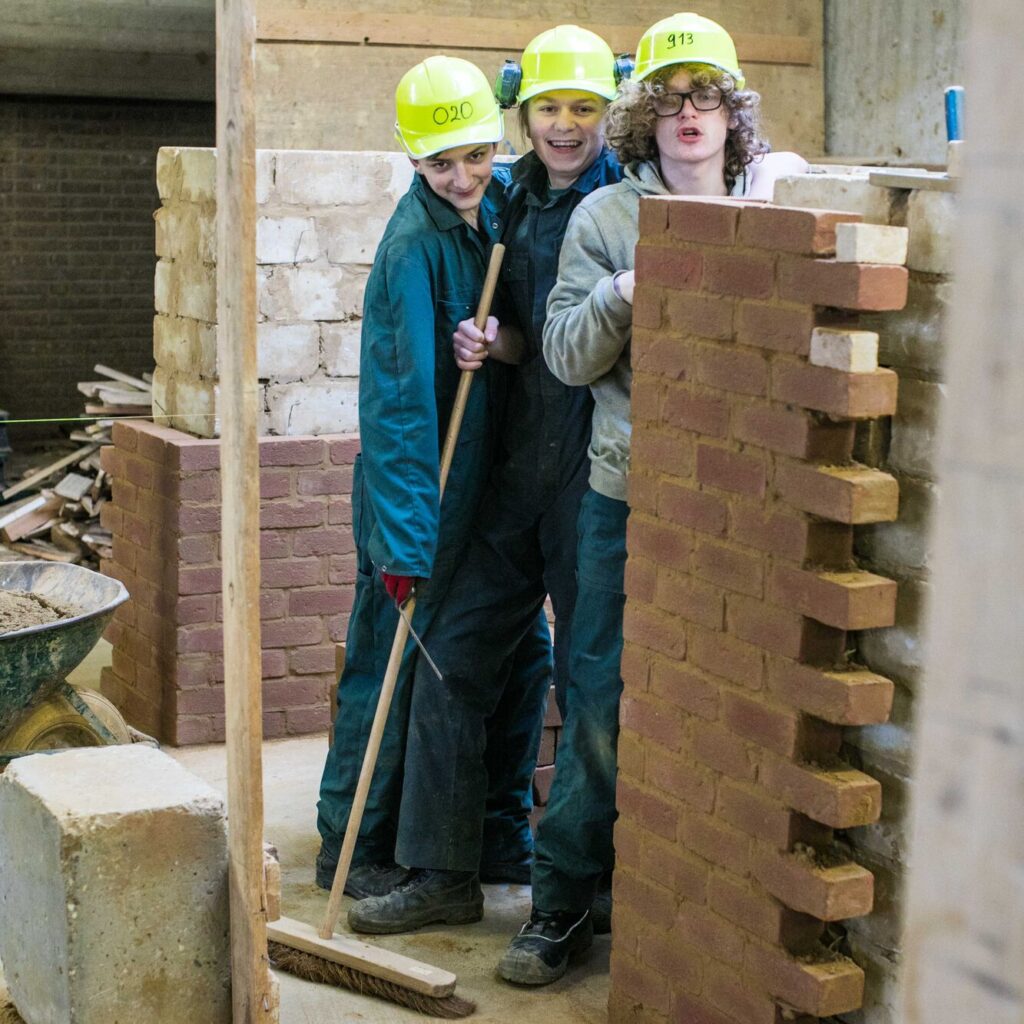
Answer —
320 217
167 671
742 592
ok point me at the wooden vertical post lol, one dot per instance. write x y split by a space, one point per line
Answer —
253 998
964 948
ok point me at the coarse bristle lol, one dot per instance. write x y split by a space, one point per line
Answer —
8 1012
326 972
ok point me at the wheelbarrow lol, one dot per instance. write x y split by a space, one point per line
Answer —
38 709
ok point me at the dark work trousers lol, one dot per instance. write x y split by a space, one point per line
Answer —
368 645
574 841
523 548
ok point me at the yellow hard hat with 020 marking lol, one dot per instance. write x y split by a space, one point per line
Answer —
687 38
444 102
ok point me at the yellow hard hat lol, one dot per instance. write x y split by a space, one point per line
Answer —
687 38
567 57
445 102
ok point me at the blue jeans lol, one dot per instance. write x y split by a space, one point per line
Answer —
574 842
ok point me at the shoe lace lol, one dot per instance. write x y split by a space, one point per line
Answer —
540 922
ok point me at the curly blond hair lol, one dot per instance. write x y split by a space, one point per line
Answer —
630 120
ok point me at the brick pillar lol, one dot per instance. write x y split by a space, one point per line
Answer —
167 671
742 590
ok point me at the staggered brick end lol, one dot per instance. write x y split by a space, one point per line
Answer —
804 883
852 697
864 287
791 229
820 988
854 495
851 351
844 600
842 395
840 796
872 243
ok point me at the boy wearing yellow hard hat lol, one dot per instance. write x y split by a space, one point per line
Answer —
427 276
523 545
683 125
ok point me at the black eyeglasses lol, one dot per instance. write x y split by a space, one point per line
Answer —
668 104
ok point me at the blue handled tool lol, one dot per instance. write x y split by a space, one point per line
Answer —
955 113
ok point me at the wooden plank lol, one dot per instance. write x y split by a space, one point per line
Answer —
380 963
125 378
929 180
21 508
508 35
48 471
253 996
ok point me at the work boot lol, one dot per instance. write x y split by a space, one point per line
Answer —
541 951
363 879
427 897
515 872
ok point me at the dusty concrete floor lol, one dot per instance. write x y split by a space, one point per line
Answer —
291 774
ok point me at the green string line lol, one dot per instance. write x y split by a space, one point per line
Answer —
111 419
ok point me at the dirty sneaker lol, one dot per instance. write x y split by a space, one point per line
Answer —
541 951
363 880
427 897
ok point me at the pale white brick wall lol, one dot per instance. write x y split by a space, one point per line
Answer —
320 217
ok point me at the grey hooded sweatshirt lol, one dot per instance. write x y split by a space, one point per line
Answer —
588 329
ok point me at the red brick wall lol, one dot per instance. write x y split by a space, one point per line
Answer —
167 672
742 591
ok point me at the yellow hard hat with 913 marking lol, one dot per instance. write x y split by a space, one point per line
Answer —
687 38
444 102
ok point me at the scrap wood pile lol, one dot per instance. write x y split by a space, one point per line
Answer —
53 512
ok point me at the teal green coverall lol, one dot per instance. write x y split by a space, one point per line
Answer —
427 276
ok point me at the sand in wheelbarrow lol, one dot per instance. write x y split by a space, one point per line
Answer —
19 610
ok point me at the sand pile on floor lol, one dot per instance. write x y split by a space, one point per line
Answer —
19 610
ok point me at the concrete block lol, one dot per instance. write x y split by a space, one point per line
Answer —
932 220
303 293
353 288
320 178
848 350
184 345
187 174
266 169
286 352
186 289
915 427
113 889
352 236
341 348
850 193
905 545
912 338
186 231
871 243
190 402
898 652
318 406
286 240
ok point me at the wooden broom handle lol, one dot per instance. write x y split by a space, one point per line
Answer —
355 817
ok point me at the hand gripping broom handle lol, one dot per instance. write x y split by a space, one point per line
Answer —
355 818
